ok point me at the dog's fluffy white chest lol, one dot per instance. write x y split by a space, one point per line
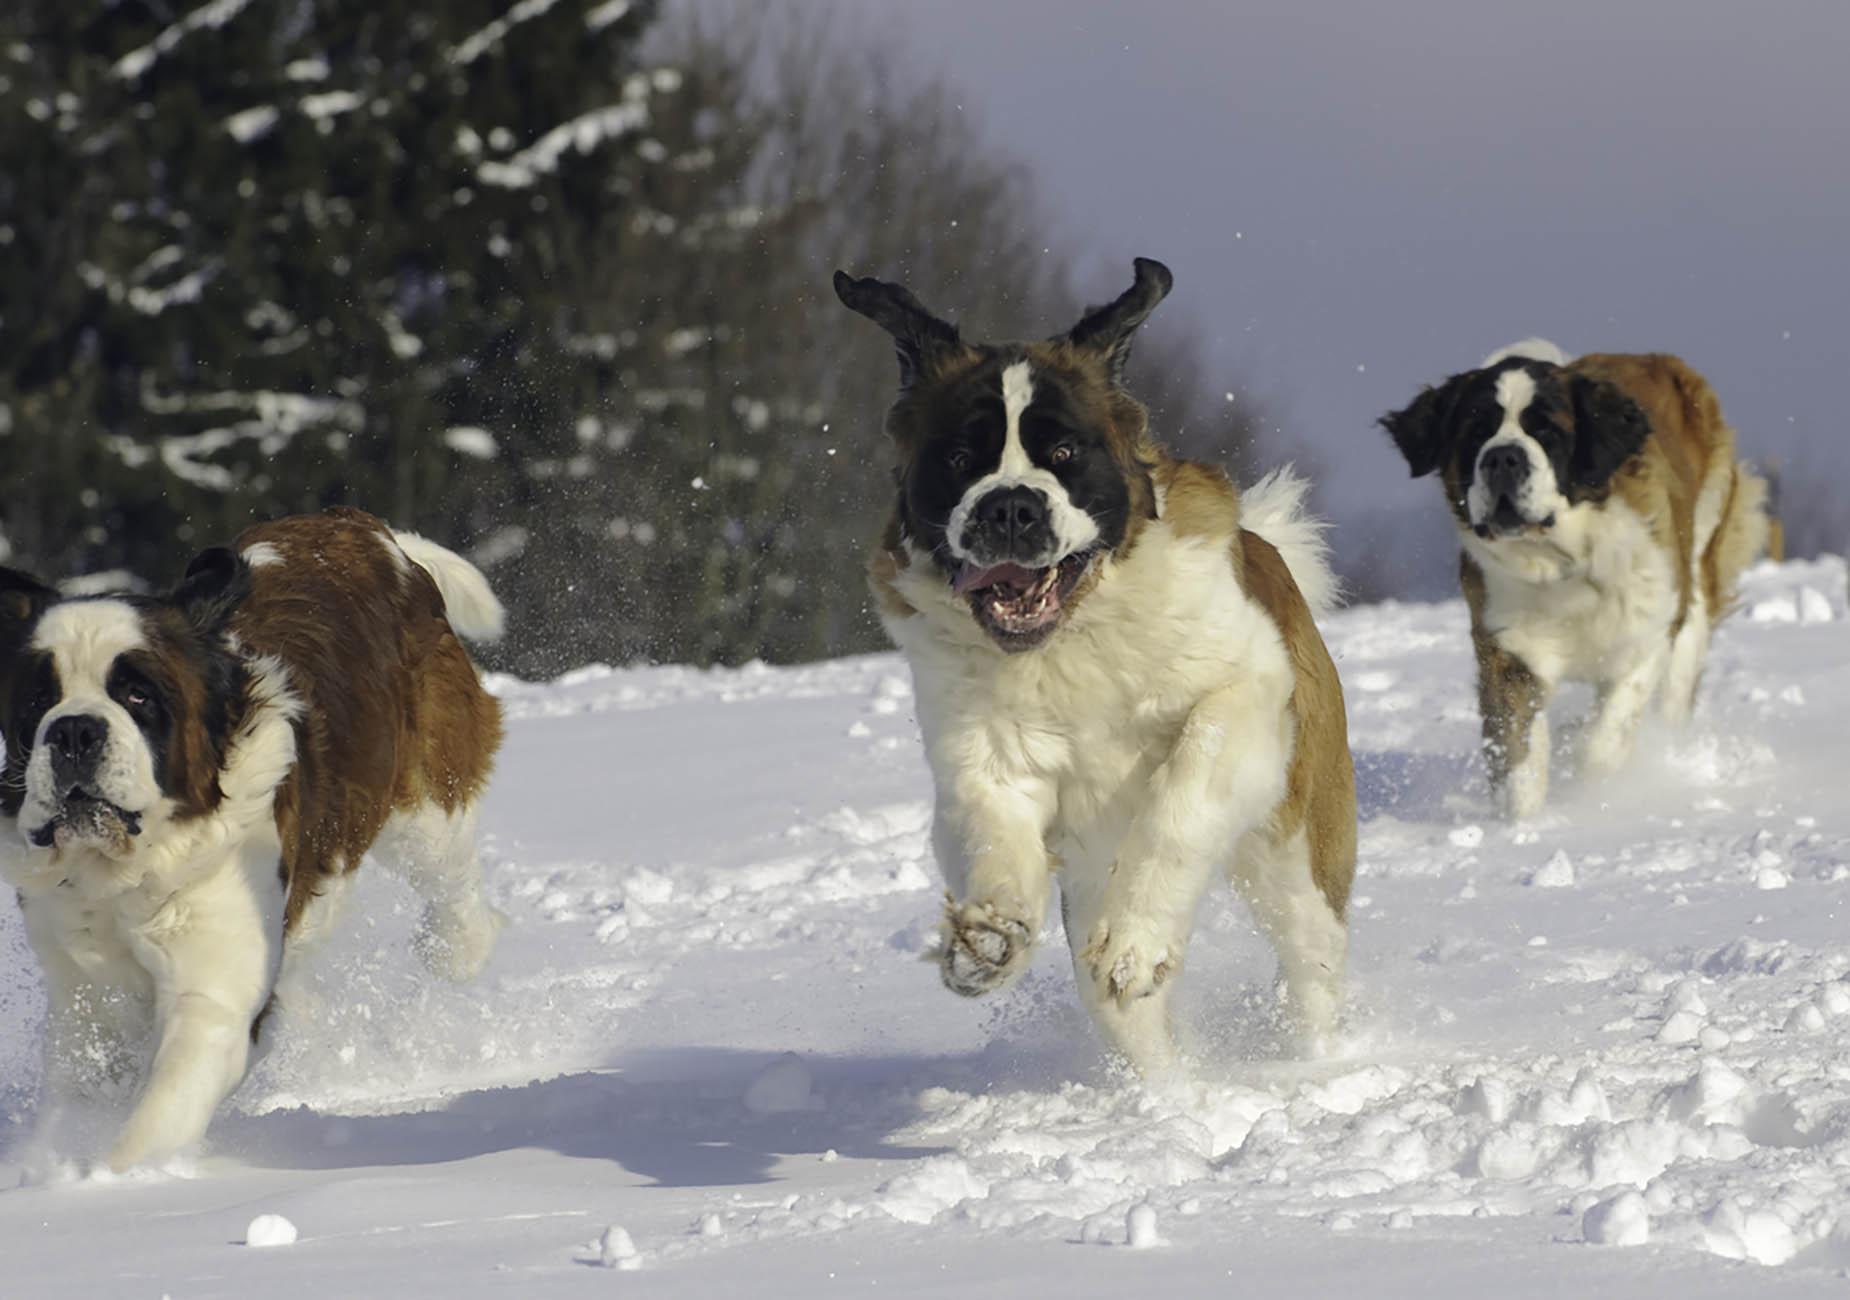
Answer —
1096 709
1585 603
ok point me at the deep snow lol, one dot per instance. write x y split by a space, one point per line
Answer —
709 1060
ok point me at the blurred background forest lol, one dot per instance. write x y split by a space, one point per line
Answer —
547 281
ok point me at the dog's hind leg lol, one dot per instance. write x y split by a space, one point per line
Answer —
1689 649
1622 702
434 850
1312 942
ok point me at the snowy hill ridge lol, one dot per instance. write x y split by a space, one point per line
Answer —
1624 1023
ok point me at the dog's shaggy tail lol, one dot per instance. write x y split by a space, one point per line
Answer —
1274 508
468 602
1742 535
1536 349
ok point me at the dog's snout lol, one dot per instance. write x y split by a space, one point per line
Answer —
1010 523
1013 511
76 744
1503 468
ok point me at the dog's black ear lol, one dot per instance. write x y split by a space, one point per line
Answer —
1108 329
1423 428
1609 429
22 598
920 338
215 584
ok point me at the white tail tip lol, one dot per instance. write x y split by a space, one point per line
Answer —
1274 508
468 601
1536 349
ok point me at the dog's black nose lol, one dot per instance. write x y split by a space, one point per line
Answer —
76 744
1503 468
1013 521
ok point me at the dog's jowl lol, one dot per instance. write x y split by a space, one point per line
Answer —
1120 681
190 778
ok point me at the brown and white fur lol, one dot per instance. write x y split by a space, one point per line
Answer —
1604 521
190 778
1120 684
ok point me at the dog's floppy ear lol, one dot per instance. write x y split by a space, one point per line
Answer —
1108 329
919 337
215 584
1423 428
22 598
1609 429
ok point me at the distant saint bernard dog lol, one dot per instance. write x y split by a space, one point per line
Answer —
1604 521
1119 678
190 778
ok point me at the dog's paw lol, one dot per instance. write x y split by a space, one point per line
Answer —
457 942
983 948
1128 962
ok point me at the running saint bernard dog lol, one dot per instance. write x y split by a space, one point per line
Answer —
190 778
1119 678
1604 521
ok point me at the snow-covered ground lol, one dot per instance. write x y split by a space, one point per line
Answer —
1607 1051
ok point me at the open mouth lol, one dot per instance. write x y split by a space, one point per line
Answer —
1019 605
85 816
1505 520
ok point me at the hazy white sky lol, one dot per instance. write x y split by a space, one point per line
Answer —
1359 197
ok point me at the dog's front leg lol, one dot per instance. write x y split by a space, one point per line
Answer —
1512 704
213 952
1223 776
990 837
204 1045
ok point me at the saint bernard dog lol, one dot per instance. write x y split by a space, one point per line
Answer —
1120 683
190 778
1604 521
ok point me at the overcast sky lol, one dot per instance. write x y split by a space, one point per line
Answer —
1359 197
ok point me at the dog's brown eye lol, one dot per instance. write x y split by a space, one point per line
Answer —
958 460
1061 453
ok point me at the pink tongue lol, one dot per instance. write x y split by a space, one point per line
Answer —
972 578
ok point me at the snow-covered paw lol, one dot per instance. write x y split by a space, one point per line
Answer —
1523 793
983 948
1128 962
457 942
1605 752
1312 1015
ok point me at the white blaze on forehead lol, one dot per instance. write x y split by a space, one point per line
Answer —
261 555
1017 392
1515 390
1073 529
84 637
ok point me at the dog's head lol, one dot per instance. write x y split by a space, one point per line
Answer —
116 709
1020 464
1519 441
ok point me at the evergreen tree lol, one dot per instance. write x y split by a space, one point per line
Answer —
532 277
265 255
